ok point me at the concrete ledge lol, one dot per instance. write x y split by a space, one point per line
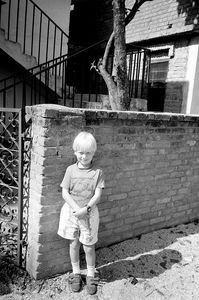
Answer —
58 112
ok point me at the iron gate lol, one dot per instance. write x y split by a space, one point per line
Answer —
14 161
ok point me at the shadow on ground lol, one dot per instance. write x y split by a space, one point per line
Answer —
131 258
146 266
9 274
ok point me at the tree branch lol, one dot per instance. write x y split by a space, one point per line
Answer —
107 49
134 10
128 19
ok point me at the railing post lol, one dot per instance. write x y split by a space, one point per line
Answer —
20 191
1 3
33 28
47 39
25 23
23 93
40 30
4 94
64 81
148 71
9 12
143 72
17 20
54 44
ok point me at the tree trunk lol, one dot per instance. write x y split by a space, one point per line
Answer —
120 64
117 82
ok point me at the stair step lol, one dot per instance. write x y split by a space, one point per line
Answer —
14 50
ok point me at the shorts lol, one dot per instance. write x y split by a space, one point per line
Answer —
85 228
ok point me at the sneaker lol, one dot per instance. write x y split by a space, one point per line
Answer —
92 283
75 282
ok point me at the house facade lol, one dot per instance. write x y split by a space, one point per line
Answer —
170 30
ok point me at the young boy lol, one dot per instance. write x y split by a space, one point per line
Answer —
79 219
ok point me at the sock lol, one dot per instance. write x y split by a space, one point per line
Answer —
76 267
91 271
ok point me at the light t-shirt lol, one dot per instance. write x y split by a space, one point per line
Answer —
81 183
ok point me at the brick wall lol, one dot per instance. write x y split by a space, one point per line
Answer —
151 167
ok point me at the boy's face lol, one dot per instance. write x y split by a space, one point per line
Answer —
84 158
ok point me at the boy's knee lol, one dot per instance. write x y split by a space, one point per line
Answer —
89 249
74 243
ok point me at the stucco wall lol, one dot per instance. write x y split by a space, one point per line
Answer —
151 167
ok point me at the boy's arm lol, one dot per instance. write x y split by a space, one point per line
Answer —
94 200
67 197
96 197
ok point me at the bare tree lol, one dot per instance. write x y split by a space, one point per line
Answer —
116 82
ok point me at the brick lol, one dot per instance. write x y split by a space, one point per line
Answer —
122 229
114 224
179 214
141 211
140 224
157 220
106 219
164 200
177 197
117 197
183 207
130 220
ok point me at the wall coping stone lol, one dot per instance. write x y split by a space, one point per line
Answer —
53 111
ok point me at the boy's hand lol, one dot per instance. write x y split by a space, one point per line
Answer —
80 212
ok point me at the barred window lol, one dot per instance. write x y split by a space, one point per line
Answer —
158 71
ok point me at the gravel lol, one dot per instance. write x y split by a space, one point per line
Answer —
163 264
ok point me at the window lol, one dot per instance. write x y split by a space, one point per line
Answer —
157 80
158 72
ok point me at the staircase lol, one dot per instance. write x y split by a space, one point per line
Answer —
23 23
32 39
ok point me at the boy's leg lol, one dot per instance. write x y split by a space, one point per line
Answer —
91 281
90 259
75 278
74 255
89 237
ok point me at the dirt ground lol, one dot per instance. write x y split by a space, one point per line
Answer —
159 265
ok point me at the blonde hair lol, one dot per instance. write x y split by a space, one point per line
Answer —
84 141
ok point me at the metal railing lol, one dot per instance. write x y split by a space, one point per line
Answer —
26 23
138 68
11 177
68 80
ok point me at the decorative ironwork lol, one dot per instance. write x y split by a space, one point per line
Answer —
11 184
25 203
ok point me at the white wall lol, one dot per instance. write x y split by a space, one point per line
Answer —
58 10
192 76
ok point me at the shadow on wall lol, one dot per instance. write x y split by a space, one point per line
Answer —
168 97
190 9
